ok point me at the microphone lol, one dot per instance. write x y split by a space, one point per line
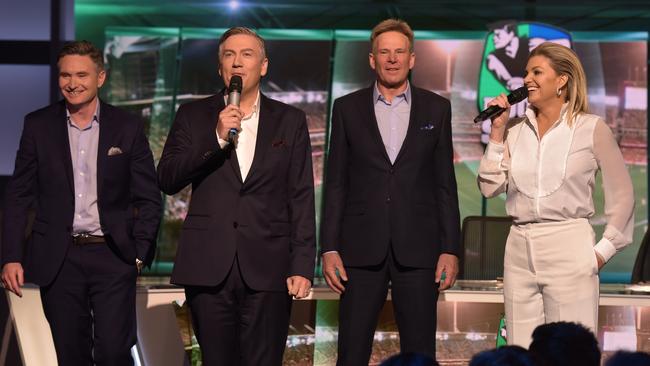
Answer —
234 93
514 97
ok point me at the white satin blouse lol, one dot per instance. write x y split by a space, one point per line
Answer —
553 179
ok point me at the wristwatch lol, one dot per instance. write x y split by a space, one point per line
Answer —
139 264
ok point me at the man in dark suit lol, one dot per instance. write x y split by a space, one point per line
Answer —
390 207
87 168
248 240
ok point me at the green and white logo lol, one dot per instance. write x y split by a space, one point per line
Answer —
506 51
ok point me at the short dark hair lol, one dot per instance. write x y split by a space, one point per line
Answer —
508 25
626 358
503 356
242 30
83 48
409 359
564 344
392 25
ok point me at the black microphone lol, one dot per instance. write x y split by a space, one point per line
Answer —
234 93
514 97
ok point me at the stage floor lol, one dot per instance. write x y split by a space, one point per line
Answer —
468 320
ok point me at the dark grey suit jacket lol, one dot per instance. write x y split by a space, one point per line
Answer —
268 220
370 203
129 202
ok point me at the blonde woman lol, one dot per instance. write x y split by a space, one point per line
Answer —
546 163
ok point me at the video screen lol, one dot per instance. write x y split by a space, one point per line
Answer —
153 73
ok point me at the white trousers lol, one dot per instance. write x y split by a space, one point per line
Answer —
550 275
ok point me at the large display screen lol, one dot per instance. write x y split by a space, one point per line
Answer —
154 70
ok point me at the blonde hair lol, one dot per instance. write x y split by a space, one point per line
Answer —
565 62
392 25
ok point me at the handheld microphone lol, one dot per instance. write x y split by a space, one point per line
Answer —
514 97
234 93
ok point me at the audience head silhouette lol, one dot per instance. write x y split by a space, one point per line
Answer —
625 358
504 356
409 359
564 344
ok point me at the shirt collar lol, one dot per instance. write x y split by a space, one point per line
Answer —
406 94
95 116
530 113
256 106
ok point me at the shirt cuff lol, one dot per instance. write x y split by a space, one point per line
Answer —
605 248
494 151
222 142
330 251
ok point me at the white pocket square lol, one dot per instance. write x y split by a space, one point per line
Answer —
114 151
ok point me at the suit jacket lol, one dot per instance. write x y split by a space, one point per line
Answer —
371 204
128 199
268 220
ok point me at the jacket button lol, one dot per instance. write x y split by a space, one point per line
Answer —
387 199
235 224
391 171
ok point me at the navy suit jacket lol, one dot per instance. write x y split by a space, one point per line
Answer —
268 220
129 202
371 203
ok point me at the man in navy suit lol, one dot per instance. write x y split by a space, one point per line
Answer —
248 241
390 207
87 170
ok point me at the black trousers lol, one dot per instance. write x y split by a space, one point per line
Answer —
414 294
90 307
236 325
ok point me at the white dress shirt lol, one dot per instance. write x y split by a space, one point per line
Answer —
552 179
246 138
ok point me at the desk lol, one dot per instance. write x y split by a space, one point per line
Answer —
467 318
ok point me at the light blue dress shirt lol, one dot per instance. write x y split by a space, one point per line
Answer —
83 150
393 119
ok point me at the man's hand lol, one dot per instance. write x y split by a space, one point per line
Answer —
447 263
229 117
12 277
332 263
298 286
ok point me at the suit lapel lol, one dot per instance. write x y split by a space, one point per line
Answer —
106 135
61 125
413 125
265 130
368 109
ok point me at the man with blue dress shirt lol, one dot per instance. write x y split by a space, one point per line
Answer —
86 169
390 207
